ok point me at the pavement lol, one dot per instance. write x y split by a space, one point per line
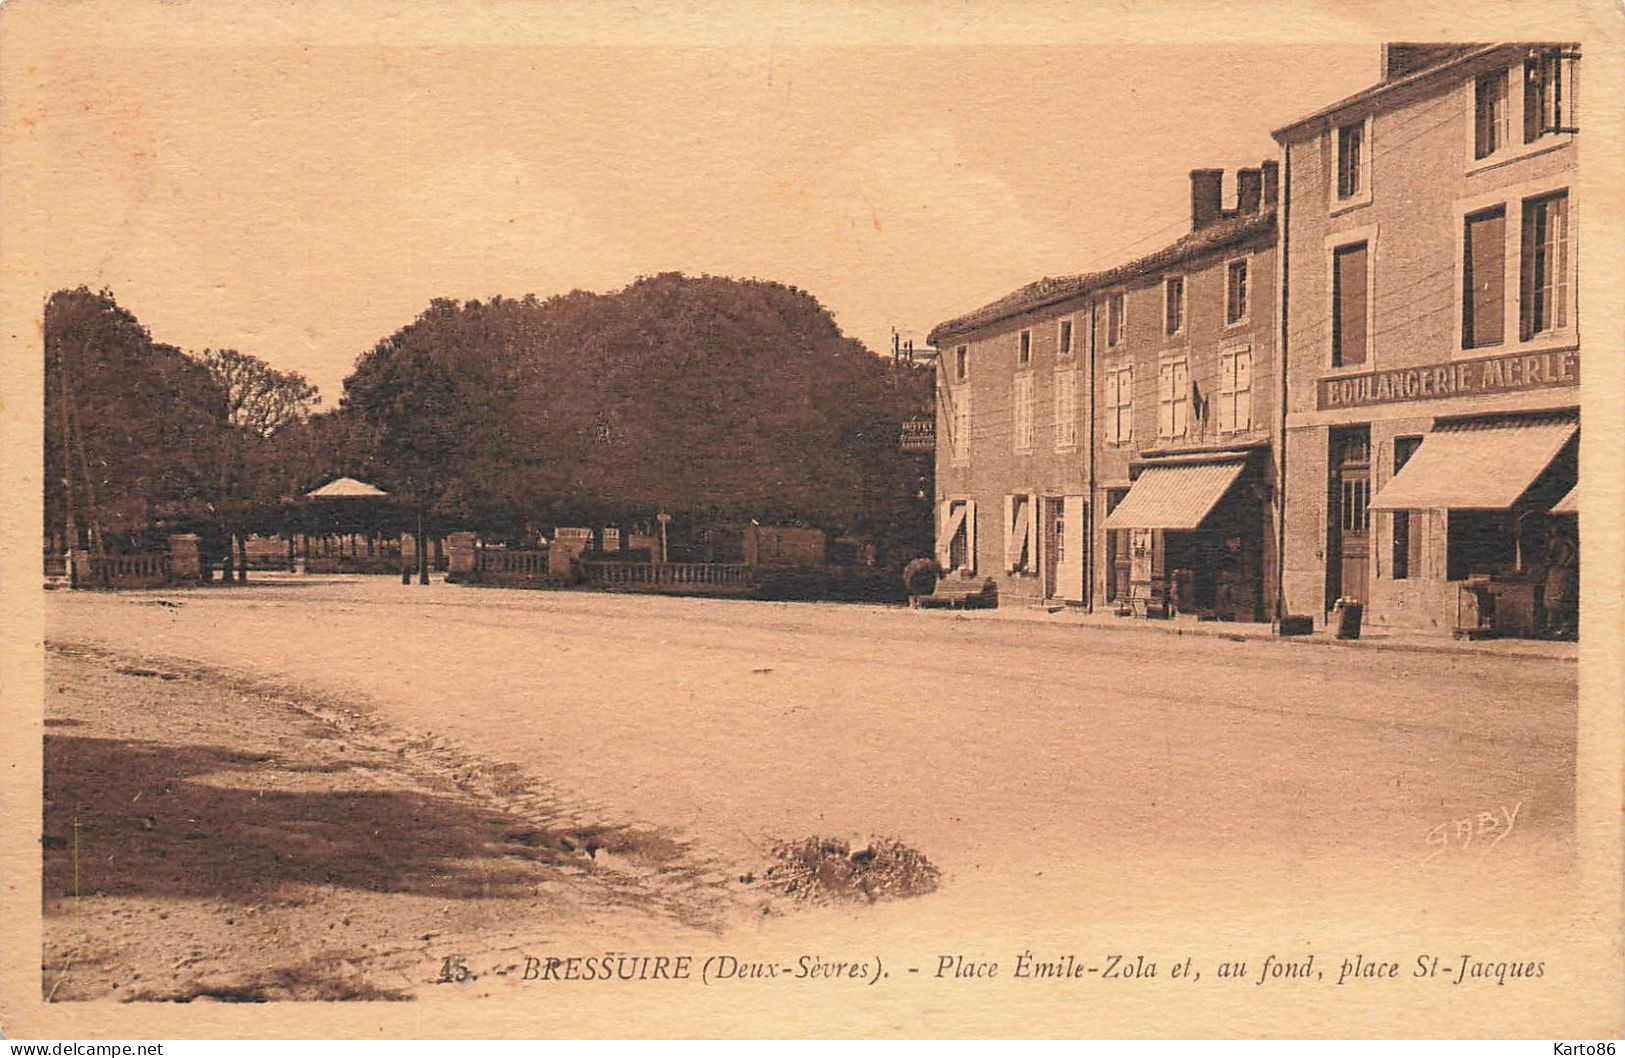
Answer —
1188 625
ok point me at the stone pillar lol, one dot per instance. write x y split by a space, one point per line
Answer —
561 556
185 564
459 557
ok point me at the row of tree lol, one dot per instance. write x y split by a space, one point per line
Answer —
142 438
714 399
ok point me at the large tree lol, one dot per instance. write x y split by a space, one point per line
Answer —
716 398
129 423
256 402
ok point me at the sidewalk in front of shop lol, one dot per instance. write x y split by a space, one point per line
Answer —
1188 625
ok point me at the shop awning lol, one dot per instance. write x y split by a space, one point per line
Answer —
1475 466
1175 497
1569 504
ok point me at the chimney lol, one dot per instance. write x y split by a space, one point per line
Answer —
1249 185
1207 188
1272 182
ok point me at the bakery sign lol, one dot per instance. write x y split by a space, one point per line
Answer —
1457 378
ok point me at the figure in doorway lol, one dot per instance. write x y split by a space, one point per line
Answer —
1561 598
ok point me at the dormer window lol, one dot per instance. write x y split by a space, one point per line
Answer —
1549 76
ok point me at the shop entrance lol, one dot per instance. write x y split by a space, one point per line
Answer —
1348 551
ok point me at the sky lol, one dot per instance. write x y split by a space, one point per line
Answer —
301 201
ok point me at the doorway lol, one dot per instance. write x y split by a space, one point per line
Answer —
1348 552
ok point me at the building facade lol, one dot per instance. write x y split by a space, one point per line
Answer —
1432 344
1013 424
1106 438
1184 464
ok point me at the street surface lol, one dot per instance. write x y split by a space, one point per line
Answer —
1050 772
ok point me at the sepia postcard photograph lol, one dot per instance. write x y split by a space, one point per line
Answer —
934 520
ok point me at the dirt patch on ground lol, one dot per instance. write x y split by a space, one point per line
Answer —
824 870
210 837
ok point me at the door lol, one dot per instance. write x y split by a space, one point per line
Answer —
1351 513
1054 547
1073 533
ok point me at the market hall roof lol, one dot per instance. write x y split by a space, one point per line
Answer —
345 489
1052 290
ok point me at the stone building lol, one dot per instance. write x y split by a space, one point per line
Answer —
1432 343
1146 385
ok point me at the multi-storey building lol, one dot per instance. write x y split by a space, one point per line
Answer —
1012 452
1432 342
1107 437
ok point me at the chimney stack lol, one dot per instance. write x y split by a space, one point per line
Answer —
1249 185
1207 189
1272 182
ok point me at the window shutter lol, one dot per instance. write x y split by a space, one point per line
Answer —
970 535
1009 533
1034 522
943 537
1075 517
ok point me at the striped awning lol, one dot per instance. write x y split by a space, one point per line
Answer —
1175 497
1569 504
1475 466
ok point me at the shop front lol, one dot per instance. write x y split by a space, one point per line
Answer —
1476 530
1189 536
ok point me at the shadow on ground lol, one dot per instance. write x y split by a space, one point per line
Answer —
152 819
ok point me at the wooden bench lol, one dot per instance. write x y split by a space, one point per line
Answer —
959 593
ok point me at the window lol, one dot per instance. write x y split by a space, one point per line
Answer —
1063 338
1235 292
1066 408
1022 401
1351 161
956 536
1407 531
1173 305
1543 301
1058 526
1115 310
1489 114
1349 330
1548 93
1020 533
1483 301
1356 505
961 363
1173 398
961 427
1120 404
1236 390
1024 349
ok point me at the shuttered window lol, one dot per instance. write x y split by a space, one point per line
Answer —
1173 398
1349 318
1235 399
1484 279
